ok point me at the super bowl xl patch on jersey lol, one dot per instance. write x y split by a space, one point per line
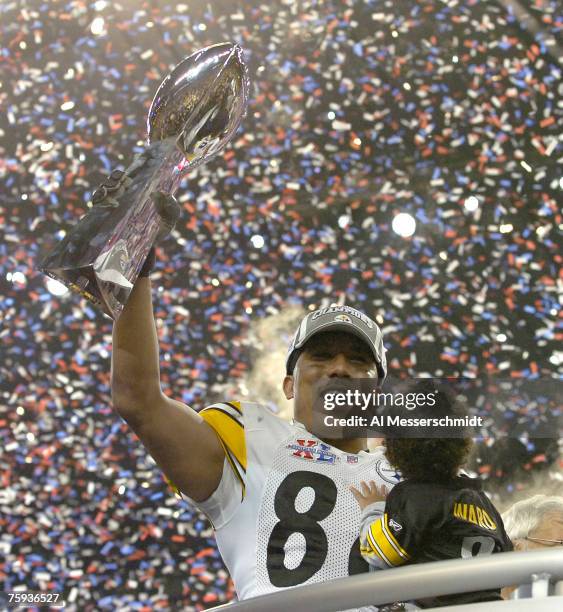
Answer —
312 450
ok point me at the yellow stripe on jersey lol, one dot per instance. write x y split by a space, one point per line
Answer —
384 543
225 418
392 539
233 463
373 548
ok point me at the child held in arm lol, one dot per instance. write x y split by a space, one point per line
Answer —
434 514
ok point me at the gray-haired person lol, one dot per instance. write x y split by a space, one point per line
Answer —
534 523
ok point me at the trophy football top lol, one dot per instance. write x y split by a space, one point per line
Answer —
211 88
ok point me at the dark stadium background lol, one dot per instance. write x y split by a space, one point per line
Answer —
360 110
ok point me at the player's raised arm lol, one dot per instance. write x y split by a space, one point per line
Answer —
185 447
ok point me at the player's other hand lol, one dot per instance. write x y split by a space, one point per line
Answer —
169 210
369 493
114 186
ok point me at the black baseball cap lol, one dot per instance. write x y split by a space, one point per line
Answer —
339 318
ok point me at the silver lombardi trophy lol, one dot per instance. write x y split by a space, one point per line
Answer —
194 113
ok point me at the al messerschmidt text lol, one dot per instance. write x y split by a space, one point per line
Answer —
397 421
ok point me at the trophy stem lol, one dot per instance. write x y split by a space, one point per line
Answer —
100 258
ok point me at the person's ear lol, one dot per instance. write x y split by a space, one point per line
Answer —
288 387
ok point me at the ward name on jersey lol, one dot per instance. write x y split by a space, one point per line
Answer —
283 512
424 521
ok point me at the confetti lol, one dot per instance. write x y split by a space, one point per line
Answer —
361 110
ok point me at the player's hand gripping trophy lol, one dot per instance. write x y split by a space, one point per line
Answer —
194 113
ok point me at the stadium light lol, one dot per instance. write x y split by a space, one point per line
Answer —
404 225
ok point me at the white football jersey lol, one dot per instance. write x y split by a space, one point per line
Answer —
283 512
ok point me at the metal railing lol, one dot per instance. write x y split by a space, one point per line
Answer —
423 580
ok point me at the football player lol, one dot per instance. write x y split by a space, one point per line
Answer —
278 497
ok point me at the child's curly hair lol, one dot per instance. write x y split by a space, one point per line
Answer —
430 458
